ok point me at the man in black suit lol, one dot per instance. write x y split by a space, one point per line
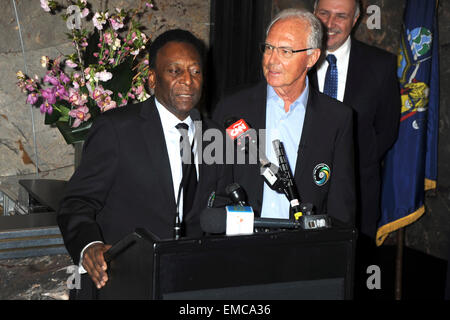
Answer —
131 170
366 81
317 131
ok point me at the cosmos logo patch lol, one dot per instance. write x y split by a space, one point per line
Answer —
321 174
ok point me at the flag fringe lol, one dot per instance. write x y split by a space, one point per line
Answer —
430 184
384 231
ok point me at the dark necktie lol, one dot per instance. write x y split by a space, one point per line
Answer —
331 78
189 179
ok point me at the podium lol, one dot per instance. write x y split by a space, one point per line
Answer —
288 264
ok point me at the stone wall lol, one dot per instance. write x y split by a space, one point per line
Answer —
24 150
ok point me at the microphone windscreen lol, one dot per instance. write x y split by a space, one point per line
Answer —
213 220
231 188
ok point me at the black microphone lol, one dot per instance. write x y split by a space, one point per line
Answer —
218 201
290 188
214 220
237 194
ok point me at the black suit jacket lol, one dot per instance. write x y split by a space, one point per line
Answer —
327 137
124 182
372 91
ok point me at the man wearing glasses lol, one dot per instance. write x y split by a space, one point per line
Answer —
317 131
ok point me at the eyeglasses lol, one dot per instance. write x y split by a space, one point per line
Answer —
282 51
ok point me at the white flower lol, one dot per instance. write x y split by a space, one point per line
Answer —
44 61
103 76
99 20
44 5
116 44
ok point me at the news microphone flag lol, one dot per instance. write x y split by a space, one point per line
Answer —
410 167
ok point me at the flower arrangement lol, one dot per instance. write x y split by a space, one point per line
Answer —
108 68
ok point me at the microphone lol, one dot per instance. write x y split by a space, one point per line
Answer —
237 194
218 201
290 189
214 220
238 130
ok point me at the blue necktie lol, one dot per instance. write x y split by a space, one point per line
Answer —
331 78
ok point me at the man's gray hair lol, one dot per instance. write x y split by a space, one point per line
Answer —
314 40
357 7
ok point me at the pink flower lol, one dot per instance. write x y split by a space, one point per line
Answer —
108 38
75 98
97 93
80 114
49 94
48 78
123 103
30 85
71 64
32 98
61 92
107 104
84 12
139 89
116 24
64 78
46 107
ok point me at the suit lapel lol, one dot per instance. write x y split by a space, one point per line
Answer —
153 136
308 126
355 65
312 77
259 103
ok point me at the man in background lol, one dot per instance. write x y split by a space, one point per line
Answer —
364 78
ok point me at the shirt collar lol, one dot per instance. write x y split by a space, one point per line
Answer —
301 100
343 51
169 120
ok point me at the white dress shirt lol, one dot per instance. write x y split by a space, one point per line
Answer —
172 139
342 55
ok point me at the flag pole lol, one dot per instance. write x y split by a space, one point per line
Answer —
399 263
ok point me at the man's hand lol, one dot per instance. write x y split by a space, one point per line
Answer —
94 263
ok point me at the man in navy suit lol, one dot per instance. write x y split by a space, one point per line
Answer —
367 82
317 131
131 170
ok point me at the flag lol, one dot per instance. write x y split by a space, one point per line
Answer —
410 166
